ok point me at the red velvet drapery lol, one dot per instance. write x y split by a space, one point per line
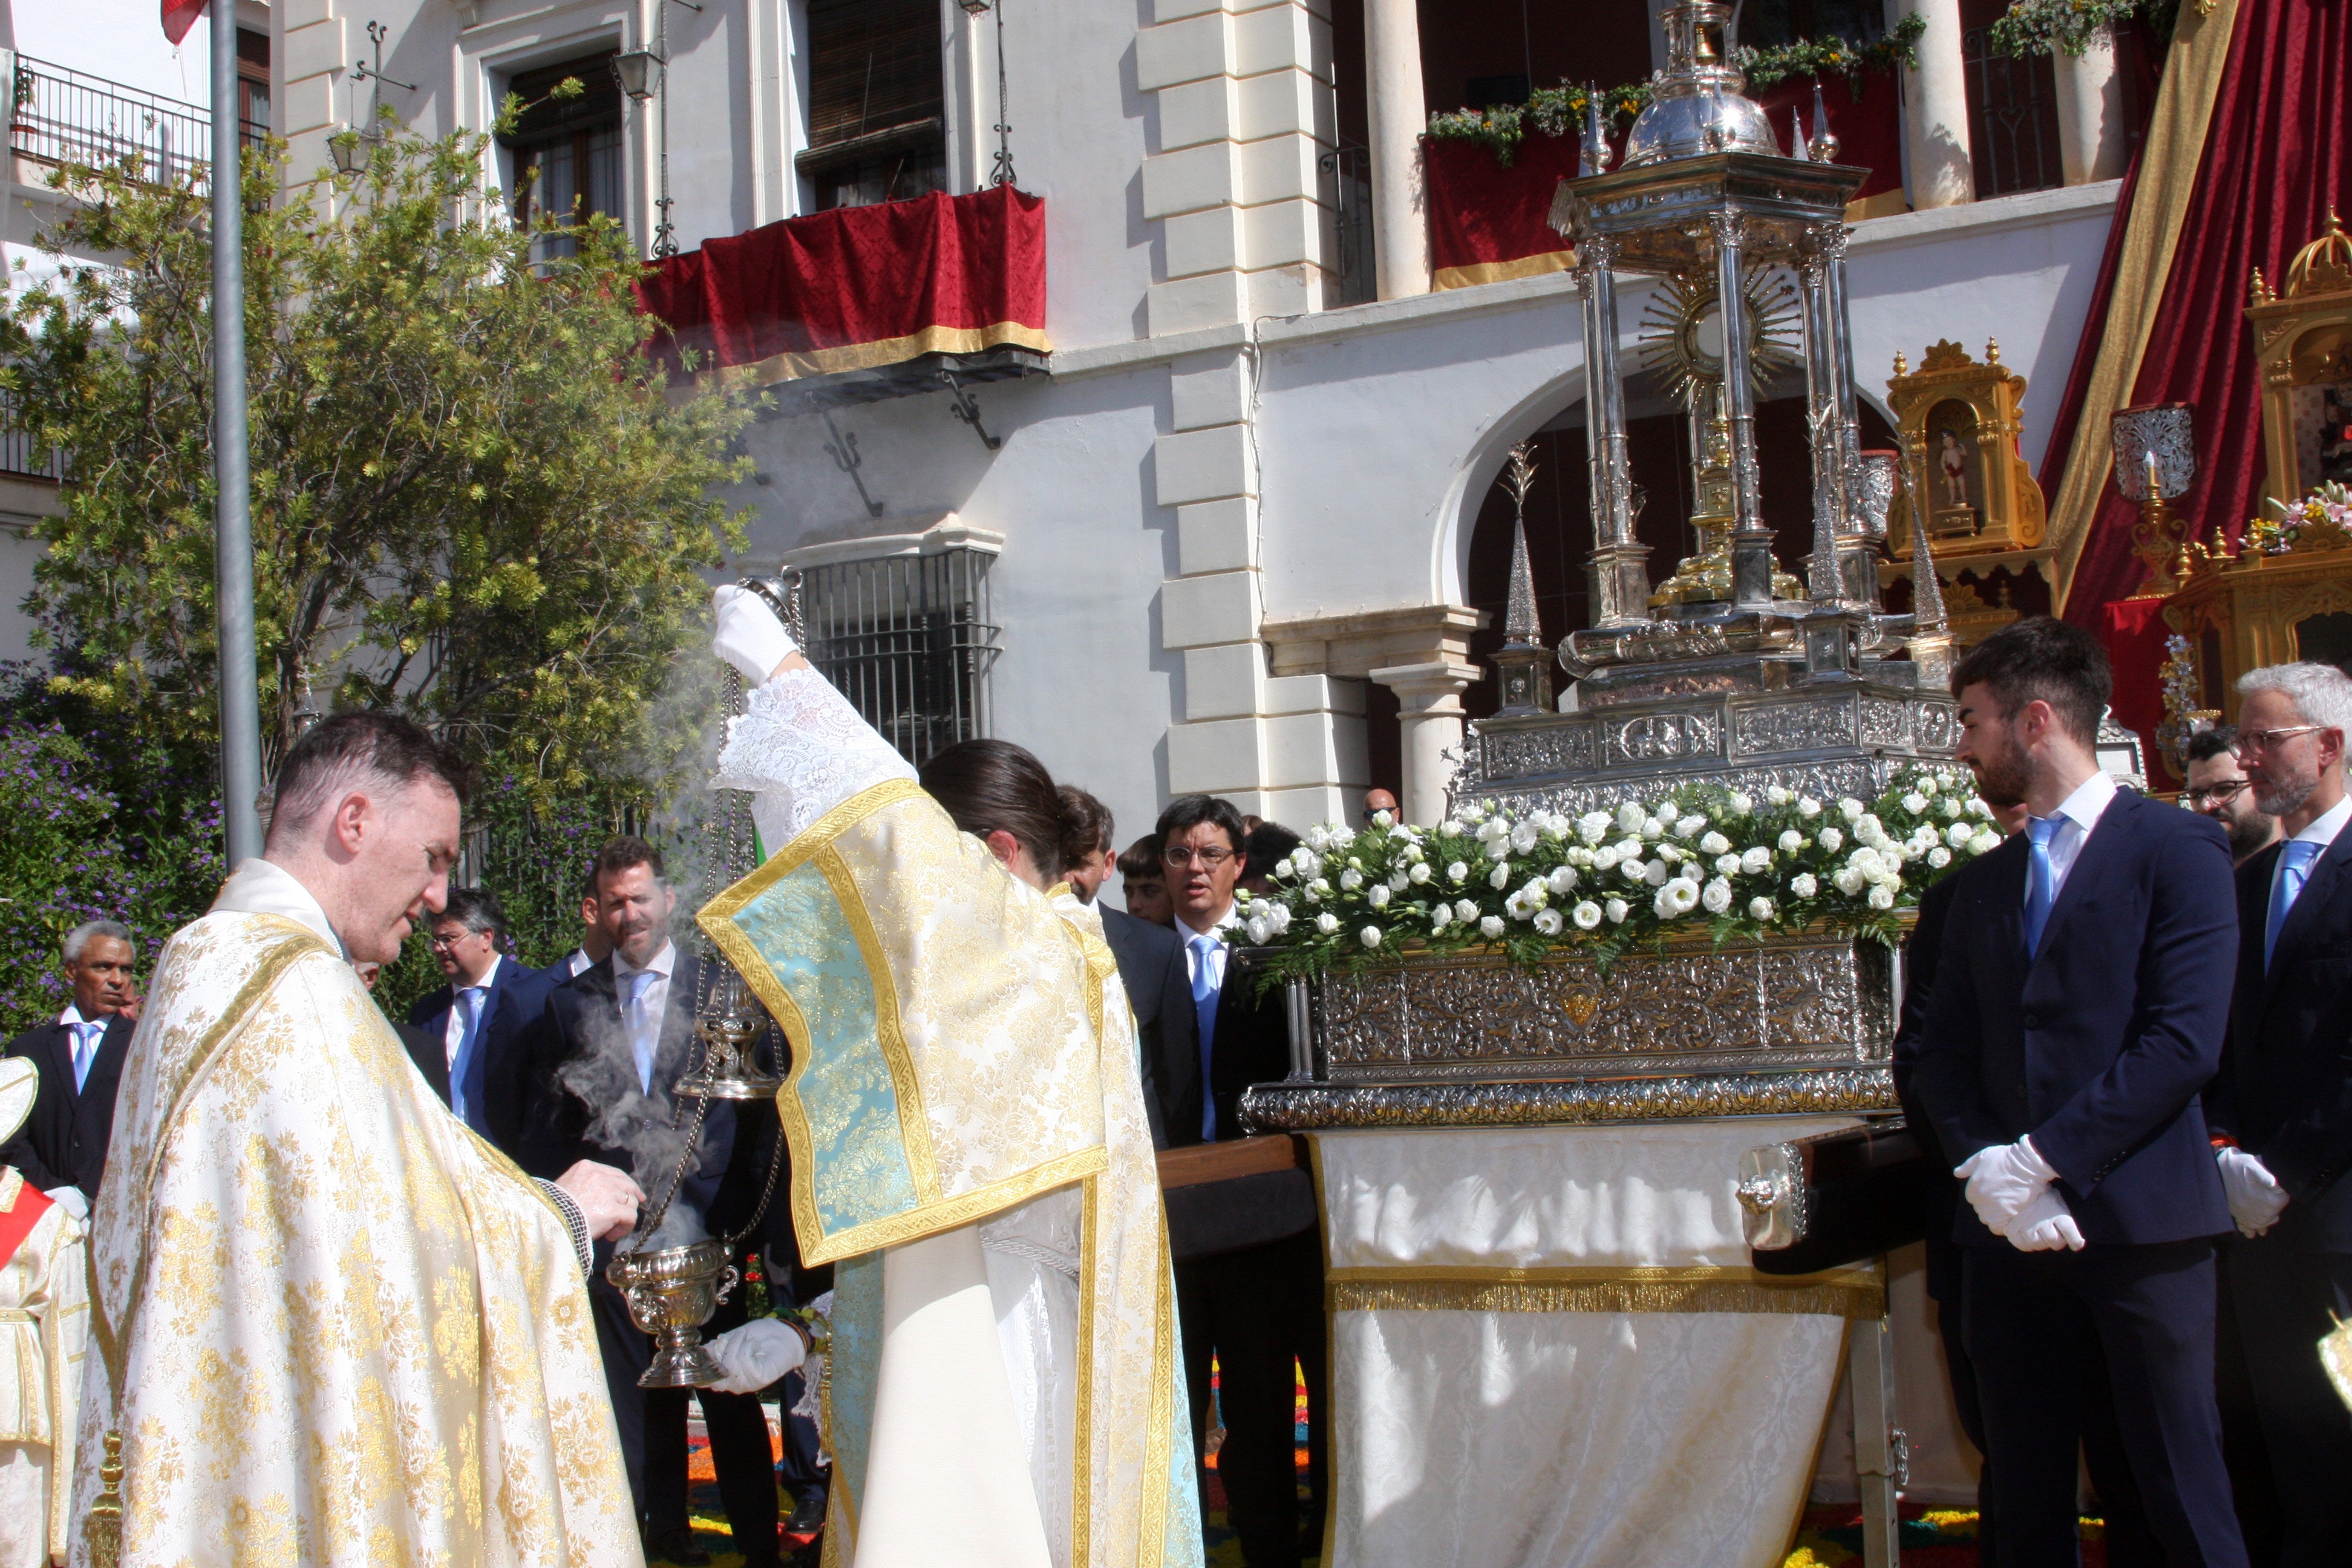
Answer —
2278 153
857 287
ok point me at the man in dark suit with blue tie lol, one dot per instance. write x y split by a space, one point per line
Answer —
482 1015
2282 1108
61 1148
2080 1002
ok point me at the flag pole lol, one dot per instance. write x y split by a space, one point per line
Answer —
240 691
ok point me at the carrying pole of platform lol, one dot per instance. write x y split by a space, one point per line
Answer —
1881 1466
240 689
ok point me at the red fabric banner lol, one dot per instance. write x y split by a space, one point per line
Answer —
2135 632
855 288
1867 118
179 15
2277 156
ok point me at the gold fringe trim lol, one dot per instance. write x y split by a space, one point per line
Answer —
1477 272
791 366
1855 1293
2176 143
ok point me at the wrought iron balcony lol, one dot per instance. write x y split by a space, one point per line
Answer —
59 115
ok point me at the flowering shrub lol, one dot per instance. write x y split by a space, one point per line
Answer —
1694 858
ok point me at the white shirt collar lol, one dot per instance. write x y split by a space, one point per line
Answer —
72 1015
260 887
2090 800
661 963
1232 917
490 976
2329 824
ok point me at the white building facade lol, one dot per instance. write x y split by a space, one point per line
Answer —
1230 540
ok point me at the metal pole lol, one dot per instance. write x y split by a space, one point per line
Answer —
240 687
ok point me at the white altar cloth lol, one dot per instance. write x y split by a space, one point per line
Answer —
1549 1350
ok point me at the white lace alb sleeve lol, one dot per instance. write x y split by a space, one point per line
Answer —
801 750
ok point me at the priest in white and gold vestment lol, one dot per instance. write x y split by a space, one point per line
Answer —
968 1146
330 1325
43 1315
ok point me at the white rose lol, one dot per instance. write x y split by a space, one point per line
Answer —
1370 936
1634 870
1670 855
1776 795
1630 849
1756 861
1500 877
1915 803
1499 849
1493 828
1666 811
1833 840
1278 917
1587 915
1850 808
1759 909
1741 805
1457 872
1717 896
1655 828
1341 837
1516 907
1378 897
1809 809
1261 930
1791 841
1380 818
1326 922
1561 879
1727 864
1439 918
1593 826
1419 874
1617 910
1951 807
1526 837
1849 880
1491 927
1465 911
1452 825
1629 818
1715 843
1959 834
1982 842
1982 806
1350 879
1414 854
1398 880
1929 784
1283 869
1655 873
1605 858
1690 824
1549 921
1882 898
1319 838
1315 892
1939 858
1803 885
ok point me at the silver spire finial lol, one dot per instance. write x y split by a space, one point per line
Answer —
1595 156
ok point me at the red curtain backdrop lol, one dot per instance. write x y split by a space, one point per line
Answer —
856 286
2276 160
2135 633
1868 124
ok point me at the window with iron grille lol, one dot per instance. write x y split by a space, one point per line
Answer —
878 102
2012 118
909 641
567 152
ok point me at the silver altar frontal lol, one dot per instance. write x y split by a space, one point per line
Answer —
1732 671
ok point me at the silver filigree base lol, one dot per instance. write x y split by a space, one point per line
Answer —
1327 1107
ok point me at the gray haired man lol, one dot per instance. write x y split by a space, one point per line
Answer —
61 1148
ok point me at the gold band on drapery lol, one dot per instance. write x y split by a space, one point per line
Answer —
2167 179
1856 1293
791 366
1472 273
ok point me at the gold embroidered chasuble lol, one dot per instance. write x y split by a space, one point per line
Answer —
963 1055
44 1319
330 1324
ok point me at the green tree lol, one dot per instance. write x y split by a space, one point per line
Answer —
474 499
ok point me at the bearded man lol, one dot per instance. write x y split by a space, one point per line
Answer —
331 1324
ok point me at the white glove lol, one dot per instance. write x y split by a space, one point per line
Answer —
2045 1225
749 637
2002 1180
756 1354
2256 1196
70 1199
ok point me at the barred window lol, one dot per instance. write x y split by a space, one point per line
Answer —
908 639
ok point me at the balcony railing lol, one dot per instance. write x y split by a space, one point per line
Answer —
59 115
1350 168
2012 118
18 454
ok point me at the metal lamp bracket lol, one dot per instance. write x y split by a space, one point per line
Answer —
967 409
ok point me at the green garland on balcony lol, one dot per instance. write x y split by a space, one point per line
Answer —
1560 111
2069 27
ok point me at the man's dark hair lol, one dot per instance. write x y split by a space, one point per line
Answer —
1087 825
476 909
354 751
1140 861
623 852
995 786
2044 659
1268 842
2207 744
1187 812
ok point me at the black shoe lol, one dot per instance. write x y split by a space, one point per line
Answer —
808 1513
677 1549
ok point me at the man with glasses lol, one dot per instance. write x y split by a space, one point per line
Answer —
1257 1310
480 1016
2218 787
2282 1105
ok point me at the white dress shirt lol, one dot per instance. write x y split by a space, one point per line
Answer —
1208 948
644 1021
87 1035
2077 814
578 964
2324 826
462 1007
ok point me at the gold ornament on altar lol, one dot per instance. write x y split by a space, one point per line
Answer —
2303 351
1959 421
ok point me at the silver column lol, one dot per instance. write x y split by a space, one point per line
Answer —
1824 583
1751 542
1619 566
1857 549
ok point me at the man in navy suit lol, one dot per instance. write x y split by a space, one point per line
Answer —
480 1016
2080 1002
61 1148
2282 1108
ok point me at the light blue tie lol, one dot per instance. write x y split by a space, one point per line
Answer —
2041 878
2287 886
1205 1009
87 1037
461 1070
642 1040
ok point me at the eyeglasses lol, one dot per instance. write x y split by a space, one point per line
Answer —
2217 794
2263 740
1179 856
444 943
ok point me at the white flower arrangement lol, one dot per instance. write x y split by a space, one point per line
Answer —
1700 860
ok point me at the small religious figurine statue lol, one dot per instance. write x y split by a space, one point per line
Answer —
1954 461
44 1317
